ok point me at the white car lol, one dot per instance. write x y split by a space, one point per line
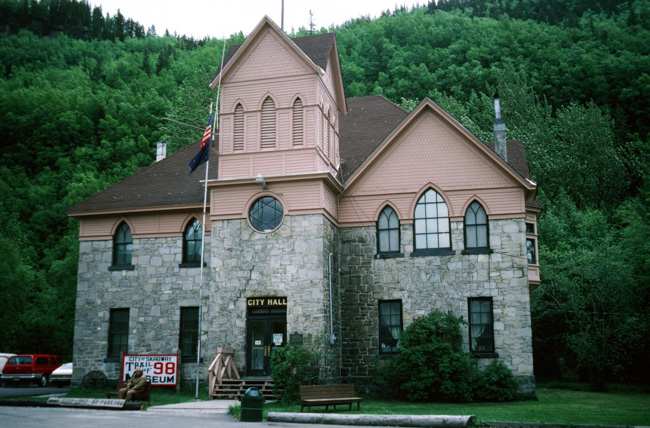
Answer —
62 375
3 360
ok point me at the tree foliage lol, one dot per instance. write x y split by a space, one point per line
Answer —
431 365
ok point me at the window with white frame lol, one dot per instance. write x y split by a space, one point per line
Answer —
432 225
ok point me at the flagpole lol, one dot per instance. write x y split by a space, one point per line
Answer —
203 229
205 199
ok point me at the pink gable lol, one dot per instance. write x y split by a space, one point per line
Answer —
430 151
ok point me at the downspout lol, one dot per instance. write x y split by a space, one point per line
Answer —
332 337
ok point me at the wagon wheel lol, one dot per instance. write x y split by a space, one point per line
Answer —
94 379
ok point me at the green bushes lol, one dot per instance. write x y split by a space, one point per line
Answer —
432 366
293 365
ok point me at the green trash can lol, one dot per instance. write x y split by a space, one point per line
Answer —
252 406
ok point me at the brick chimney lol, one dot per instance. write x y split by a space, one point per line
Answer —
161 151
499 132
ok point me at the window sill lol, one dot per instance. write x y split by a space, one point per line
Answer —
387 355
112 359
121 267
485 354
389 255
433 252
191 265
477 251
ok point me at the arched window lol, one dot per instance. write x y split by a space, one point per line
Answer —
432 222
476 228
388 231
192 242
297 122
122 246
238 129
267 133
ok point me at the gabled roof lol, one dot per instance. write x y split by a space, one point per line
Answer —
266 22
315 51
166 183
428 105
316 47
367 124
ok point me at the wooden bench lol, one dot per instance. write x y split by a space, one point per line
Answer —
328 395
138 396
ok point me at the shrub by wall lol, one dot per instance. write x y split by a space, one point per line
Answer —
432 366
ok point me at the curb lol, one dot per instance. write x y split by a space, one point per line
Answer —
440 421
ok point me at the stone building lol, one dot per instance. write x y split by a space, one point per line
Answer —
341 220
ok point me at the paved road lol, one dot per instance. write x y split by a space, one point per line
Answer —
49 417
29 390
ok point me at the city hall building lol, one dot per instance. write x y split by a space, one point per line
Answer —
330 221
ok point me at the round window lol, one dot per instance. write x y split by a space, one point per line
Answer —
266 214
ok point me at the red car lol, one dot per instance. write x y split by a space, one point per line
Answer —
35 368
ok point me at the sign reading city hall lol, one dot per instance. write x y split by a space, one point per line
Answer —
160 369
266 301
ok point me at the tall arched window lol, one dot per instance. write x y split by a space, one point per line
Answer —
192 243
122 246
476 228
267 133
238 129
432 227
297 122
388 231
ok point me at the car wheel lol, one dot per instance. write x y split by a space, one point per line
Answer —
44 380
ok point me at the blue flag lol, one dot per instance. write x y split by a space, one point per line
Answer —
204 154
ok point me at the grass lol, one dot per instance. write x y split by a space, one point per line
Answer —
556 403
160 395
557 406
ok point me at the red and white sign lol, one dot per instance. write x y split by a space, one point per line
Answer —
160 369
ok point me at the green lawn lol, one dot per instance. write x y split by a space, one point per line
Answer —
553 406
559 406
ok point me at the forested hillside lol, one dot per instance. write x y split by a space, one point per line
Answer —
83 109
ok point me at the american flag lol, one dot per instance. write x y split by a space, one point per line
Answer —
208 133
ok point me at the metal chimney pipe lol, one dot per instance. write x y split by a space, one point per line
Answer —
499 132
161 151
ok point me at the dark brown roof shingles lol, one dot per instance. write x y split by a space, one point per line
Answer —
165 183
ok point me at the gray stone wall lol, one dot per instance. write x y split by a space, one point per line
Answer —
154 291
293 262
426 283
290 262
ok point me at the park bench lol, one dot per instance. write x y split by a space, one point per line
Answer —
138 396
327 395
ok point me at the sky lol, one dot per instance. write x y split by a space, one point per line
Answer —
221 18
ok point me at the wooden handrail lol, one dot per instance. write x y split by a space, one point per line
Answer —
221 367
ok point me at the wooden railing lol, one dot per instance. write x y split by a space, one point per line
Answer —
223 367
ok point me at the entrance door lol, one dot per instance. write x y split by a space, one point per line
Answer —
265 333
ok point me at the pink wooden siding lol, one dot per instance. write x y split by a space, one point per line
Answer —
269 58
231 202
430 151
276 162
142 225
